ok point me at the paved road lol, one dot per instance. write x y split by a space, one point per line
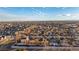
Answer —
49 48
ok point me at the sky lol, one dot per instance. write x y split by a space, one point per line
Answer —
38 13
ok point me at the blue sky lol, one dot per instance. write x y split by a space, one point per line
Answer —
38 13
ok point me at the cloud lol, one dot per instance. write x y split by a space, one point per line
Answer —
40 14
64 8
68 15
14 17
37 15
64 15
11 17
